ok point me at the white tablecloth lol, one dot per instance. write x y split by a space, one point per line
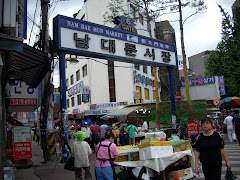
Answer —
157 164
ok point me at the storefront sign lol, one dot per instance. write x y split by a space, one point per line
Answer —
22 94
107 105
93 40
76 89
126 24
193 127
22 150
22 134
222 86
137 101
199 81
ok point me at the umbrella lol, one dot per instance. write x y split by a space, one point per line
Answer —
229 102
107 116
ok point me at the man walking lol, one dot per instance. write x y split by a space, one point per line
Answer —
87 130
103 127
144 125
95 129
230 131
236 123
123 130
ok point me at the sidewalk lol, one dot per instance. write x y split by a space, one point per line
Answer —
49 170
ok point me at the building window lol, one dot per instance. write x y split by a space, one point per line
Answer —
146 94
72 99
71 79
84 70
137 66
141 19
78 75
67 82
152 71
139 92
145 69
79 99
68 103
154 95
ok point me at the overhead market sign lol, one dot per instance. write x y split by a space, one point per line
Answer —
88 39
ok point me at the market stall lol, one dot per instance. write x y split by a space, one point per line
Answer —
160 158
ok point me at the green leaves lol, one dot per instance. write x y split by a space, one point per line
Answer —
225 60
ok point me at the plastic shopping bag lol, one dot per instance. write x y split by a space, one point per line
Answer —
230 175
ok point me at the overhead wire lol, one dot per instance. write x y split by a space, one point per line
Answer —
33 21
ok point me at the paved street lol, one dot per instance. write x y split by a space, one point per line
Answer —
55 170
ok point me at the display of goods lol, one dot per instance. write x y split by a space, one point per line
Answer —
153 139
122 158
121 148
180 174
182 146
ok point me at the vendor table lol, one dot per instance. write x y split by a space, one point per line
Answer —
157 164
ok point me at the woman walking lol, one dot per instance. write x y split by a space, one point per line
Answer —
106 152
210 150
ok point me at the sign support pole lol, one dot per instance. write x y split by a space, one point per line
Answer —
63 100
172 96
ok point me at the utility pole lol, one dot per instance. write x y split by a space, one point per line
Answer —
46 84
184 58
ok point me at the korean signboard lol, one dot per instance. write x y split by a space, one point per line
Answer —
22 94
89 39
221 85
22 150
192 128
199 81
21 134
107 105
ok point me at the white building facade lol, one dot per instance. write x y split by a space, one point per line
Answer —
96 85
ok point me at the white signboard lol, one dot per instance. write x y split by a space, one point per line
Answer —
21 94
88 39
21 134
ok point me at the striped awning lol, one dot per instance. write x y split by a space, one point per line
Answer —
29 65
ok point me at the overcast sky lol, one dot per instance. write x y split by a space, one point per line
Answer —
201 32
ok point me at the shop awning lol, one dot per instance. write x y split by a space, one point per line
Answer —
29 65
122 112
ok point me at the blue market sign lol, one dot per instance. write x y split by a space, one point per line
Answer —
125 24
199 81
93 40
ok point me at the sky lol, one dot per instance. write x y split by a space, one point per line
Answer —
201 32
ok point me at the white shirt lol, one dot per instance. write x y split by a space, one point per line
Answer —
86 130
144 126
228 122
81 151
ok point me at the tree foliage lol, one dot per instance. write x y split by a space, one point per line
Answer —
225 59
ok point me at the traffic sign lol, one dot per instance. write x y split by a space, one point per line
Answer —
178 96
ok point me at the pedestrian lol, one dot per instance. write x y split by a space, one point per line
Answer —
81 152
109 128
230 130
37 134
210 150
87 130
123 131
107 152
95 129
236 123
131 129
103 127
144 126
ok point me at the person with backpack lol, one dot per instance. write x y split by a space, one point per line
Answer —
106 152
131 129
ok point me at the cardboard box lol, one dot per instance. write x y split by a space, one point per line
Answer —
180 174
150 150
122 157
182 146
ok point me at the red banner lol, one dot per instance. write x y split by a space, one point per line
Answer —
22 150
193 127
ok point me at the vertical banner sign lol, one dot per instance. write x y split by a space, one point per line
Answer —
221 86
22 147
193 127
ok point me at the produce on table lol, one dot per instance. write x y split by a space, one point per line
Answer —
120 148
